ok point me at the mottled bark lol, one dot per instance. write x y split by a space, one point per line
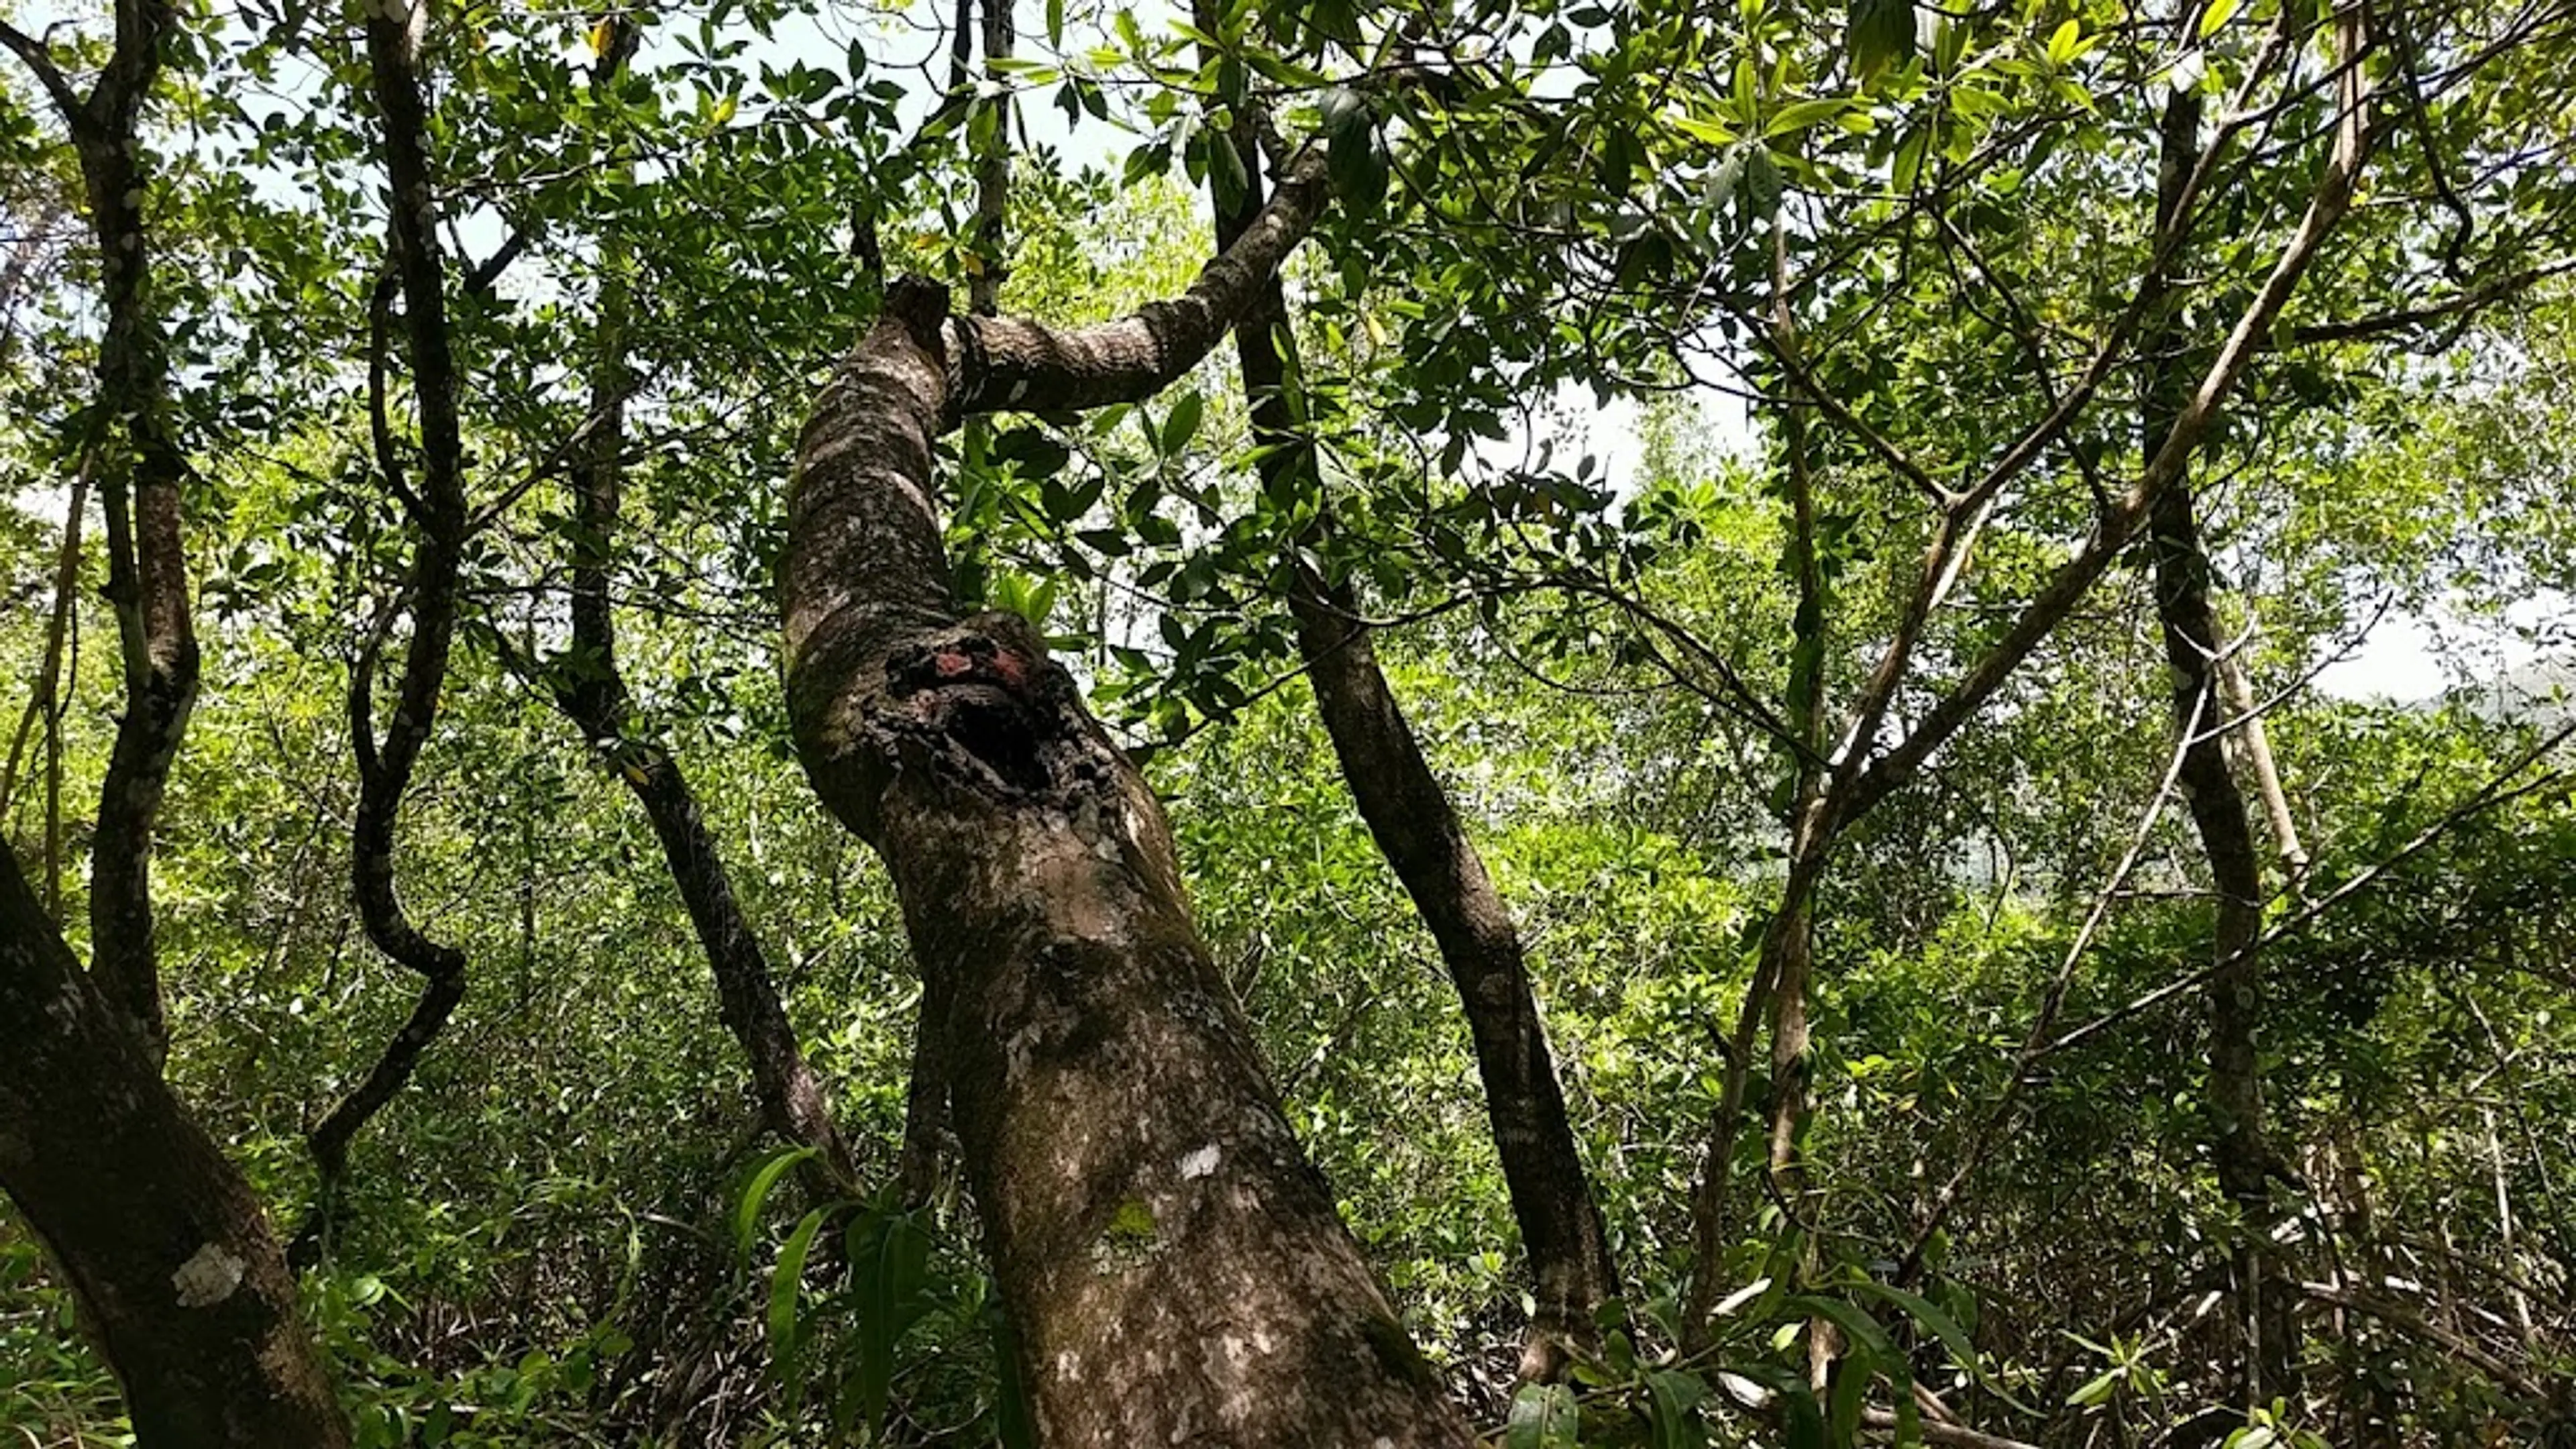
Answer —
1172 1265
2194 650
439 516
158 1237
593 694
141 468
1417 829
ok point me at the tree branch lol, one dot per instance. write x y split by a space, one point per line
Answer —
2112 533
39 58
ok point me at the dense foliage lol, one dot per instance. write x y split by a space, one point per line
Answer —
1788 462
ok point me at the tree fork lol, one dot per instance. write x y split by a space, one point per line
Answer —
1172 1265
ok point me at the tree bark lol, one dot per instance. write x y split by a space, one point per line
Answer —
157 1235
2253 745
438 510
1171 1264
141 468
593 695
1418 831
993 169
2194 653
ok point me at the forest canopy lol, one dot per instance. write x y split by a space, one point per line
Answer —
1285 723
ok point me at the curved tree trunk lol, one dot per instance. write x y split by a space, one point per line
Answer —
1172 1265
160 1239
162 1243
1418 831
141 468
417 270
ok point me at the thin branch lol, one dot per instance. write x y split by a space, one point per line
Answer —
2034 1042
39 58
2489 795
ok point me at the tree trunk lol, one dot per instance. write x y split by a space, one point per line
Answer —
1418 831
2194 652
1171 1264
142 468
1409 814
158 1236
593 695
417 269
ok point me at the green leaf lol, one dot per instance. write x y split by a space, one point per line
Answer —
1355 157
1942 1326
890 1260
2095 1389
786 1282
1183 424
2213 19
1762 184
1844 1401
1699 130
1882 35
1797 116
1544 1416
1342 110
2066 44
755 1195
1865 1333
1013 1424
1674 1398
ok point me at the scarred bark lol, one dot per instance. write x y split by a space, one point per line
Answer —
155 1232
1172 1265
1417 829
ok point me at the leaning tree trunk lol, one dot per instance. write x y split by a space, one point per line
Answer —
1418 831
594 696
2194 655
1172 1265
160 1239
